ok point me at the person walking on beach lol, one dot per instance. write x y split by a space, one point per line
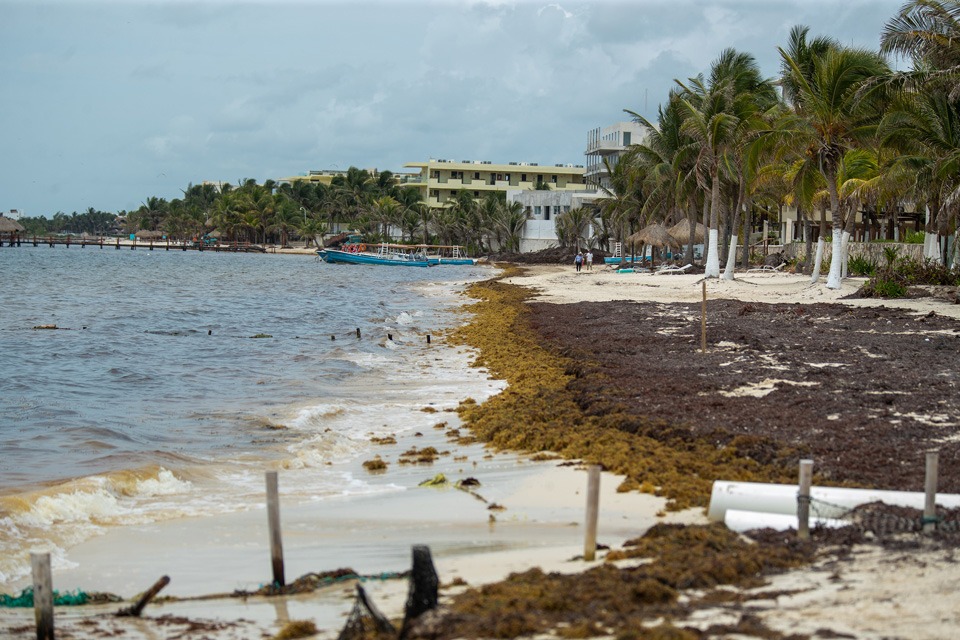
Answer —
589 259
578 260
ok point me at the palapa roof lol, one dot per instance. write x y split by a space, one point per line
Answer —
147 234
681 232
8 225
655 235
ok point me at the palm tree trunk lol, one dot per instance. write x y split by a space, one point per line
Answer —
713 253
818 260
747 228
692 219
706 225
836 257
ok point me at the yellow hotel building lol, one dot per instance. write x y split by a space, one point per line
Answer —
440 180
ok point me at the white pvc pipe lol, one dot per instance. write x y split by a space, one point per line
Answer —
737 520
782 499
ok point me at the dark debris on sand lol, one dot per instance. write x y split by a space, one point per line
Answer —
864 392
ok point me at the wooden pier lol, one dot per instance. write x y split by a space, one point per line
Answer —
16 240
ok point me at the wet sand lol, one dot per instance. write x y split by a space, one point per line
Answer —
541 525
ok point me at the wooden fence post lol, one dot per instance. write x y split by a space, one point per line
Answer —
803 499
42 594
593 512
273 517
930 491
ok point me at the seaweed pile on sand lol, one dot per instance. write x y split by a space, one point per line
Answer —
560 400
538 412
641 601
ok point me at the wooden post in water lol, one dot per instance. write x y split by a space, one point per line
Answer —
803 499
593 512
273 517
703 320
930 491
42 594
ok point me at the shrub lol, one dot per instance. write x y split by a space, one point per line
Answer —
880 287
861 266
914 237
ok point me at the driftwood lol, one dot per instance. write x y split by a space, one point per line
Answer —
145 599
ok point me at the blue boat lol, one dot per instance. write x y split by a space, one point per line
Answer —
382 257
444 254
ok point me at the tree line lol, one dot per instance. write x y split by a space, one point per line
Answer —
839 130
372 203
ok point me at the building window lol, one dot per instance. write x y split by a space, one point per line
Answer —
476 175
476 194
523 177
546 212
536 211
434 193
553 179
435 174
539 177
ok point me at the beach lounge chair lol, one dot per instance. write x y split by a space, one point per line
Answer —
767 268
672 269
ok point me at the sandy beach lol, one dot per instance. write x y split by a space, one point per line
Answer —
540 525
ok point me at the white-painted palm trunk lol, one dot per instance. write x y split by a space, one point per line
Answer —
845 254
731 259
817 261
836 259
713 256
933 251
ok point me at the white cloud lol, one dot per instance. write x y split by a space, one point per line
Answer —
146 97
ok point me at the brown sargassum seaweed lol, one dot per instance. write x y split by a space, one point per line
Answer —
538 413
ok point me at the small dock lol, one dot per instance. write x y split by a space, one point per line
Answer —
16 240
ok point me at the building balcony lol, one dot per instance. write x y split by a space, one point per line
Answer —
605 147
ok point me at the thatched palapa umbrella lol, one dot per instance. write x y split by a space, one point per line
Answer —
149 235
681 232
11 227
655 235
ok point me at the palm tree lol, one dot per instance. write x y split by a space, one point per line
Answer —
668 175
510 222
410 215
572 226
928 32
924 130
385 211
831 118
714 116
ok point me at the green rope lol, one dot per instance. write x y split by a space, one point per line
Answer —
25 599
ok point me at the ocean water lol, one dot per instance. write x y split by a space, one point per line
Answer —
152 399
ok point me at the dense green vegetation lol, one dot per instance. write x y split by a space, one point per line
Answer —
373 203
844 134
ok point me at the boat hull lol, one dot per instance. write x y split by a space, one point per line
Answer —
334 256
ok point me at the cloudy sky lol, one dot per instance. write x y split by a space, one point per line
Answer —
108 103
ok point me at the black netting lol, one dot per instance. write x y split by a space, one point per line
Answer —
366 622
884 519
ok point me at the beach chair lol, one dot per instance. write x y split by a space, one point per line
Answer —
767 268
672 269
